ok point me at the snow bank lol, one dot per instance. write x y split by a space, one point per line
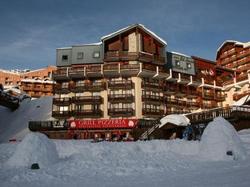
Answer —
35 148
220 137
14 124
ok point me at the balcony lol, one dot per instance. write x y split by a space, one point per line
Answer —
62 101
147 70
59 89
128 70
27 88
121 84
121 112
61 74
94 71
154 99
61 114
170 101
192 94
220 97
121 98
152 112
38 88
151 86
95 87
208 95
193 104
76 72
87 113
111 70
91 100
115 56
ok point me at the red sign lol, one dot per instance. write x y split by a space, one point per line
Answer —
103 124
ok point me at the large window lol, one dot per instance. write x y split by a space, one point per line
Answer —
80 55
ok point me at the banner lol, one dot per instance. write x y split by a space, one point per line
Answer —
103 124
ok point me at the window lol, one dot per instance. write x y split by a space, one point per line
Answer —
189 66
65 57
177 63
80 55
96 54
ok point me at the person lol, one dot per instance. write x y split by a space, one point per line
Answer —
187 133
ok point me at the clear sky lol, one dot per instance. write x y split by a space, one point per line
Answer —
31 30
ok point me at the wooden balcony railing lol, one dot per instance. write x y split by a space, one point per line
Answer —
62 101
87 113
121 112
61 114
114 56
152 112
87 100
95 87
152 98
121 98
121 84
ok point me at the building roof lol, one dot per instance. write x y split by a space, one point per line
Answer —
181 54
131 27
81 45
246 44
202 59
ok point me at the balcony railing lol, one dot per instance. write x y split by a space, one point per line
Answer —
60 74
61 114
62 101
87 100
121 112
121 84
59 89
121 98
152 98
114 56
87 113
76 72
96 87
152 112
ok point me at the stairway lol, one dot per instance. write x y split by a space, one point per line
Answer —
147 133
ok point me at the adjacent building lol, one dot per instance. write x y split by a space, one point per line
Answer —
235 55
35 83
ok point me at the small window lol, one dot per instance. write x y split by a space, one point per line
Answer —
96 54
65 57
189 66
177 63
80 55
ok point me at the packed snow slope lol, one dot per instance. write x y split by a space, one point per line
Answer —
14 124
143 163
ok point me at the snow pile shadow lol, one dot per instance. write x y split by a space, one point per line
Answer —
35 148
220 141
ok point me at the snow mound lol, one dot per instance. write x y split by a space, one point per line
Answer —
35 148
220 141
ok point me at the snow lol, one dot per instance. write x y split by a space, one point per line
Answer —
218 138
177 119
132 26
241 101
142 163
236 43
14 124
34 148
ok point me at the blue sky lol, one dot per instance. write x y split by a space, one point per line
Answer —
31 30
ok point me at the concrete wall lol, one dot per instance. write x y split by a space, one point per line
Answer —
82 54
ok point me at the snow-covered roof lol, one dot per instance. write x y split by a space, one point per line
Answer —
90 44
131 27
64 48
10 72
242 101
235 42
37 81
177 119
181 54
